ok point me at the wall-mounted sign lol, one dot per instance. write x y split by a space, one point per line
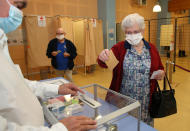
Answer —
41 21
94 22
16 37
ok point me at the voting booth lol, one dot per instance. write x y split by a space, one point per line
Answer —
85 33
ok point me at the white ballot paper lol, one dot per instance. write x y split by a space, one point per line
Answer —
155 73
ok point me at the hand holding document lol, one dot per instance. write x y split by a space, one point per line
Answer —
112 61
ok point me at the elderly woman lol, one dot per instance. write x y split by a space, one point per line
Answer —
138 59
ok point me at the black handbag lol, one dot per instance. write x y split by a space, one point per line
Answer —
163 102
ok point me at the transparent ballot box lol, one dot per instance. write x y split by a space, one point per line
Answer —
108 107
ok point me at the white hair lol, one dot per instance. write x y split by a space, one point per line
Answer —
132 19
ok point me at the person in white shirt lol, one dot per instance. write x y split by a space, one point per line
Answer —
20 109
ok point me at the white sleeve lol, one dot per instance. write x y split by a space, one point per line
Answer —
10 126
43 89
40 88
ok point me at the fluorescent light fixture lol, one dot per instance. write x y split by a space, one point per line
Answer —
157 8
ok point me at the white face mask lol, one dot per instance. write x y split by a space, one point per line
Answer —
11 23
134 39
60 37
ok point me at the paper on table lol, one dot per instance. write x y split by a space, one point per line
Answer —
155 73
112 62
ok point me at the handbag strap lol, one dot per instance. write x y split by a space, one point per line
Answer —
157 86
168 82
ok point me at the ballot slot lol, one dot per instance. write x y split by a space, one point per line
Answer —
89 101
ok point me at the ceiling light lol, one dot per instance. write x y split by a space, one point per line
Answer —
157 8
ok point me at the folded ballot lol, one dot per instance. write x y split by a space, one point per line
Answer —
112 62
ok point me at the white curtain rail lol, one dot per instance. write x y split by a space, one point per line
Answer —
70 16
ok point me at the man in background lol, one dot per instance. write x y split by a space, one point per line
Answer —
62 53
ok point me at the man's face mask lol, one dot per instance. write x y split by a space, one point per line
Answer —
60 36
134 39
13 21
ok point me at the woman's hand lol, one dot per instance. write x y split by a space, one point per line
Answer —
104 55
160 76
